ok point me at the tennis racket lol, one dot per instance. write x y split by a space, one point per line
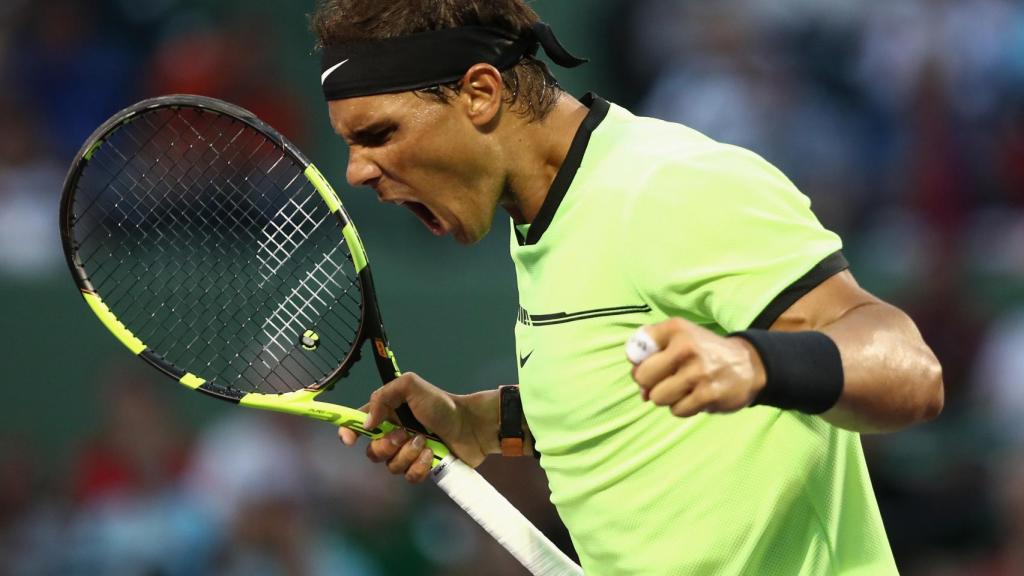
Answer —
218 254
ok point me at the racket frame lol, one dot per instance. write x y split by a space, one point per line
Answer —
301 402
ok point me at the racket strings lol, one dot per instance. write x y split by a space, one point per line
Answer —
143 186
179 182
150 186
146 193
207 241
215 214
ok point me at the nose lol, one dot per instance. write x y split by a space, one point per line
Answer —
362 170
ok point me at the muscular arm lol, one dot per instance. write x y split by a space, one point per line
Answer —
892 378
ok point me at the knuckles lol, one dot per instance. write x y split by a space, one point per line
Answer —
396 467
677 325
402 382
381 450
408 379
695 379
417 472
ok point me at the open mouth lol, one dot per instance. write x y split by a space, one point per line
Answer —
427 216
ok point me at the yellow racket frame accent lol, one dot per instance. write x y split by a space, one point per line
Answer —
192 381
304 403
314 175
113 324
358 254
316 178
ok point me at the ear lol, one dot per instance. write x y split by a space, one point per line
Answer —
481 92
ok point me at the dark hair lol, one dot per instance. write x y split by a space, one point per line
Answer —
530 89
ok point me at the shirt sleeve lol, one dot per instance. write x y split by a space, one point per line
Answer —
715 237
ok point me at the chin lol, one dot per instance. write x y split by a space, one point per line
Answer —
467 238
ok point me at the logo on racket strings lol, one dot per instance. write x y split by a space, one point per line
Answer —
310 340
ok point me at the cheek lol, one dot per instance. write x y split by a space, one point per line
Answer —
439 154
430 159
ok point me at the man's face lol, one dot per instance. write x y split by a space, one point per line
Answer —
425 155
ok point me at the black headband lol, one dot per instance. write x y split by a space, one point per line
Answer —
430 58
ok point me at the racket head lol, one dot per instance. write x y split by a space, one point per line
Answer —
213 249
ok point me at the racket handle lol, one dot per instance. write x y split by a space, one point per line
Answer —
502 520
641 346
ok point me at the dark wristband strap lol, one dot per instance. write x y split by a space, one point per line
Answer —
803 370
510 421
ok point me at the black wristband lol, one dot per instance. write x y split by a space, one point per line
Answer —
803 370
511 436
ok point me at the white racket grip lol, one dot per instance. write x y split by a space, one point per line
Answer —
640 346
502 520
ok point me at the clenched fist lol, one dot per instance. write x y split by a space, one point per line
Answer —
694 370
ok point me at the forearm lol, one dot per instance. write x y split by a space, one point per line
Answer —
891 378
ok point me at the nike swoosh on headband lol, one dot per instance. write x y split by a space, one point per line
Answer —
329 71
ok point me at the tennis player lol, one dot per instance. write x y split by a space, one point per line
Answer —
735 449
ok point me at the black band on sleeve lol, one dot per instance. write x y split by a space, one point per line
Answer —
803 370
827 268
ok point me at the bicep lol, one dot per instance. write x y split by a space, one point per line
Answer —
891 377
824 304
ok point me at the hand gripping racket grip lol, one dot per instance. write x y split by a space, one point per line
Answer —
506 524
489 508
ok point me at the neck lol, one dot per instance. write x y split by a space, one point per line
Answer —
536 151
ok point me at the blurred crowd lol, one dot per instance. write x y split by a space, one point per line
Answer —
68 65
903 120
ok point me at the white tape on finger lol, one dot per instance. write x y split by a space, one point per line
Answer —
640 346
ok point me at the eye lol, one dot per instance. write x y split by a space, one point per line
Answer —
377 136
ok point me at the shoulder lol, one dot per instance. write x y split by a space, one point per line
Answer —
648 142
657 161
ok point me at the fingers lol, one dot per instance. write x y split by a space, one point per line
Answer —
403 454
420 467
681 374
401 451
662 332
677 351
677 386
388 397
661 366
702 399
687 395
348 437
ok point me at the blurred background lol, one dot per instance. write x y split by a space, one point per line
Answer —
902 120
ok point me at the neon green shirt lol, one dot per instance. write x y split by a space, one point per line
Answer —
648 220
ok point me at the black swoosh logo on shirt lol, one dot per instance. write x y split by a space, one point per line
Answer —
523 359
